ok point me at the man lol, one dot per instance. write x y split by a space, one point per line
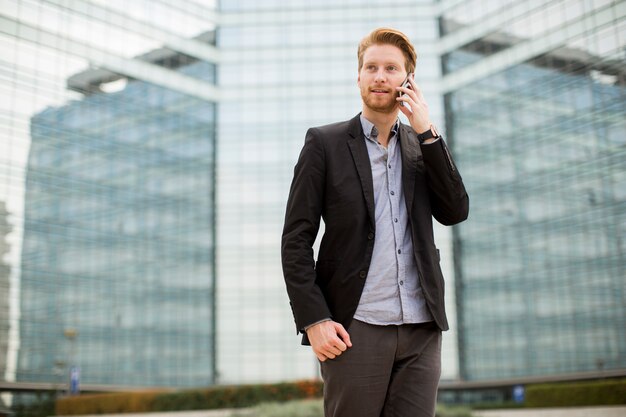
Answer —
372 307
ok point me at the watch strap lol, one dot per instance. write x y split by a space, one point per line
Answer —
426 135
430 133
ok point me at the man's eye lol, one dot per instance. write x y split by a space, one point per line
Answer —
391 68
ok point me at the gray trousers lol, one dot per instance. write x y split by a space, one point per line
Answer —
390 371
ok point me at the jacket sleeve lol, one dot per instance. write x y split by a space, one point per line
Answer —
302 221
448 198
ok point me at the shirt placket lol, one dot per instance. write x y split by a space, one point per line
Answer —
394 198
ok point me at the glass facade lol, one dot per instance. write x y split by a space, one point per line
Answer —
541 144
5 271
146 152
108 168
118 238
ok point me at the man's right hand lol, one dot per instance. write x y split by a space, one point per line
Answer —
328 339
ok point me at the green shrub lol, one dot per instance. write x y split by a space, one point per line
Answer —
41 406
122 402
450 411
314 408
604 392
296 408
236 396
496 405
198 399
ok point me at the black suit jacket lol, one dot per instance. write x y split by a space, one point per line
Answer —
333 180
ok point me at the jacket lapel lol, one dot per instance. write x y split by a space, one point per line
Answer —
358 148
411 152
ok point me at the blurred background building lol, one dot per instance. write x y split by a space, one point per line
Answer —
146 151
541 272
117 257
5 270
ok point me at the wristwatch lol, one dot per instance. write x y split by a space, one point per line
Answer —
430 133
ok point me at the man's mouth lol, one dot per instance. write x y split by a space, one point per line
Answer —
379 90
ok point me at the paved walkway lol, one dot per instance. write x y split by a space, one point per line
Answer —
201 413
612 411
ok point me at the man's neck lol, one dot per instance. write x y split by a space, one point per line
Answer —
383 122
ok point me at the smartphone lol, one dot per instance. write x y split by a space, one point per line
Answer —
406 84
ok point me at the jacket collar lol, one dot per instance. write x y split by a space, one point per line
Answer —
411 153
358 148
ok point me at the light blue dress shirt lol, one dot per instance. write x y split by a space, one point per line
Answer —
392 293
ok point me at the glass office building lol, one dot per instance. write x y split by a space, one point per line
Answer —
107 159
538 129
146 152
117 261
5 271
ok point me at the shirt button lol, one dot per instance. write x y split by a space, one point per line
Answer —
370 235
392 193
395 220
399 251
362 274
401 282
389 165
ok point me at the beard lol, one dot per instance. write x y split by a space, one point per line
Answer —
385 104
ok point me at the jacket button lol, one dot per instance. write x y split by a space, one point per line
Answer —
370 235
362 274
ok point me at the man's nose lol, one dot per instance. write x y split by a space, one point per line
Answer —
380 76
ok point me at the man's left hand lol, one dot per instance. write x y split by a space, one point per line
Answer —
418 114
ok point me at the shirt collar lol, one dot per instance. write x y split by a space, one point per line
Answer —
370 130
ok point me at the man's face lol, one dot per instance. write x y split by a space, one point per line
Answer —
382 71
